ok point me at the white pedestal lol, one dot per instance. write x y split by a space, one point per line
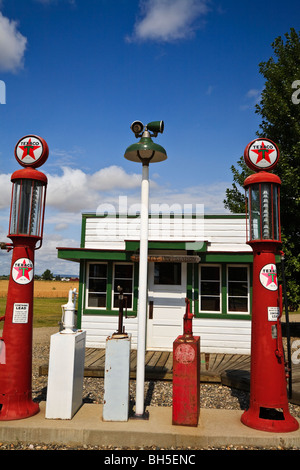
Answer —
65 375
116 378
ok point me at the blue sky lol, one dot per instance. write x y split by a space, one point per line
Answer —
79 72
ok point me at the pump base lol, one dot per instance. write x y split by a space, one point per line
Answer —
270 420
17 406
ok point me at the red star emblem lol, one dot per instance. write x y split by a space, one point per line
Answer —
23 270
263 153
29 149
272 276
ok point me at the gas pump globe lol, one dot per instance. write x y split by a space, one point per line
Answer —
26 232
268 409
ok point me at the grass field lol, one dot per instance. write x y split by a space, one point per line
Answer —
49 296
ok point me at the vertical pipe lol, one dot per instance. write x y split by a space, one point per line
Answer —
143 285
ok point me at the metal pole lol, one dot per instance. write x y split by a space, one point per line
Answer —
143 287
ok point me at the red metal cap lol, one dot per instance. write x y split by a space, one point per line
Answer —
30 174
262 177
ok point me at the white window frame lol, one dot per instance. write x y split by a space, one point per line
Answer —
88 282
113 283
236 312
209 265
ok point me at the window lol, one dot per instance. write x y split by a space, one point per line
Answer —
123 277
210 288
167 274
96 285
237 289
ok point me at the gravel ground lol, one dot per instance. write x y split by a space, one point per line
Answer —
157 393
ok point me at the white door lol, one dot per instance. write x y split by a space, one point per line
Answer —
166 304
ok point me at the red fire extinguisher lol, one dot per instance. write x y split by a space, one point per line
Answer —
186 375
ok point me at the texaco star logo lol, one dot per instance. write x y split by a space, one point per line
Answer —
22 271
268 277
261 154
31 151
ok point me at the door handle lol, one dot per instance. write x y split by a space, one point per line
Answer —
150 309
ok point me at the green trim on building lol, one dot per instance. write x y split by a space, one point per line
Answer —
78 254
134 245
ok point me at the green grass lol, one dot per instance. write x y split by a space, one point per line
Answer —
46 312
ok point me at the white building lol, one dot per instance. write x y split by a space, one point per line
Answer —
205 259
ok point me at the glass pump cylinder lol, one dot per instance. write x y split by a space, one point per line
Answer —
262 196
27 203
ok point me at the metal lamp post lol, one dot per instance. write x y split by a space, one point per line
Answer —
145 152
26 233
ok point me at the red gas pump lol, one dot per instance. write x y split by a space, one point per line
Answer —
268 409
186 375
25 231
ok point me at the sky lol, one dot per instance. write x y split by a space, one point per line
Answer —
78 72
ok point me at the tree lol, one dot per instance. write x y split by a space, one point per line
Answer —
47 275
279 109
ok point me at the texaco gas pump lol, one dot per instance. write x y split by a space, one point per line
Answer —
25 231
268 409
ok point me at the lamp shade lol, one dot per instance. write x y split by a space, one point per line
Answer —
145 151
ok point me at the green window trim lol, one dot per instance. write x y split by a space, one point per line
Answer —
109 310
224 314
192 292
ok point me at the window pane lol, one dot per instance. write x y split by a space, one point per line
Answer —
97 300
127 298
123 277
238 289
167 273
97 285
123 271
238 273
210 273
237 304
98 270
210 304
125 284
210 288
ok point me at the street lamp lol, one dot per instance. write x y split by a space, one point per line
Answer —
145 151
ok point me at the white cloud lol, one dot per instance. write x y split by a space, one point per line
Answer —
76 191
210 195
169 20
12 45
252 98
5 191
